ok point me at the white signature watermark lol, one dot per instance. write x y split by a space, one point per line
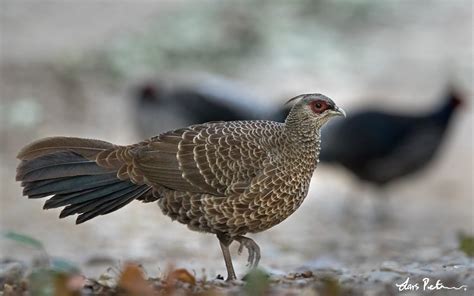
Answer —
427 285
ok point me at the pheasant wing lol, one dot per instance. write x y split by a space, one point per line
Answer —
214 158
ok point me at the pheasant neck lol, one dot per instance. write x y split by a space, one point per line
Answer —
301 132
302 143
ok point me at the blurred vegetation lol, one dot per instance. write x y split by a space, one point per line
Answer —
227 37
257 283
330 287
199 38
466 244
25 240
49 276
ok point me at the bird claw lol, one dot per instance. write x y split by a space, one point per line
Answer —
253 249
241 248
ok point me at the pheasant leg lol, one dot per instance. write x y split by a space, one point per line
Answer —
225 243
253 249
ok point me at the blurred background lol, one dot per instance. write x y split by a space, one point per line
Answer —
125 71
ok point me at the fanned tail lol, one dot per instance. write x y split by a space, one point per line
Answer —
66 169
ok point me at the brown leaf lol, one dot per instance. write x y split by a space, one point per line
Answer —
133 281
181 275
68 285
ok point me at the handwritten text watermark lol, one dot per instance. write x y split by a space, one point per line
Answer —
427 285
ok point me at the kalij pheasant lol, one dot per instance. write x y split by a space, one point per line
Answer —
225 178
380 147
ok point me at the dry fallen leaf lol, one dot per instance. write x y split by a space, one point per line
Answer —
133 281
181 275
175 275
61 286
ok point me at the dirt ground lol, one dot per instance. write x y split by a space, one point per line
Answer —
334 234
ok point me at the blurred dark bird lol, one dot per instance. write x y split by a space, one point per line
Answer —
160 108
380 147
225 178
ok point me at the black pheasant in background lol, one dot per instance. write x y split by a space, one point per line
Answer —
159 108
381 147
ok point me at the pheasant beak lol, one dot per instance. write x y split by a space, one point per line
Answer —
339 111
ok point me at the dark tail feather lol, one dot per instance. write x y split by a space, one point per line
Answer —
73 180
57 165
85 147
38 189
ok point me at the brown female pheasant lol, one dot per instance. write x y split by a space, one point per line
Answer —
226 178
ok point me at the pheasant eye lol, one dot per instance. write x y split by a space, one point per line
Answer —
318 107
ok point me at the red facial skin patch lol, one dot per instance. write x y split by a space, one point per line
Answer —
319 106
